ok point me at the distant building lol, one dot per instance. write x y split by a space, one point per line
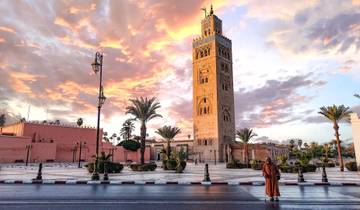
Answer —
256 151
355 125
158 146
259 151
213 92
44 142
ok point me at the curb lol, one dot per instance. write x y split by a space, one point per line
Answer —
230 183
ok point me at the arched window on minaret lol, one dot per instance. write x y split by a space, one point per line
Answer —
226 116
204 106
203 76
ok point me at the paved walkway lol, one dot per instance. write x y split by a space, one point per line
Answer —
193 173
156 197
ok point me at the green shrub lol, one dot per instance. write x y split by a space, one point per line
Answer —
112 167
351 166
330 165
236 165
164 165
145 167
176 161
282 159
171 164
286 168
181 167
257 164
130 145
309 168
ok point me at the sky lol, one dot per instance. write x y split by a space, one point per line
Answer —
289 59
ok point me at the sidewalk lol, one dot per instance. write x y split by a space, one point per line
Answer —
193 173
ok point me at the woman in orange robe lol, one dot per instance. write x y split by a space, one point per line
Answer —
272 175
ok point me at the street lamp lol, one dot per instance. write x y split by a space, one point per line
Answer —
28 147
97 67
74 153
80 147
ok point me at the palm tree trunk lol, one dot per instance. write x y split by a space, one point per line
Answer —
142 146
168 149
336 128
246 155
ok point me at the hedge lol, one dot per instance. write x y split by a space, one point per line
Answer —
130 145
257 164
112 167
145 167
293 169
236 165
351 166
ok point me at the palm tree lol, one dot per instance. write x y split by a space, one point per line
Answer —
291 144
2 120
313 146
326 150
106 138
299 141
335 114
143 109
306 146
80 121
168 133
245 135
127 128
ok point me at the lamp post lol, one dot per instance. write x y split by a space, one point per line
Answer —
28 147
74 153
97 67
80 147
112 154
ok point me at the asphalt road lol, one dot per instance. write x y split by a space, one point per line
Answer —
174 197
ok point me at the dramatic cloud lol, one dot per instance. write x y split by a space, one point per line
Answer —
274 103
46 52
328 28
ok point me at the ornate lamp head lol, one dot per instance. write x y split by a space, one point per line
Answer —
102 97
97 62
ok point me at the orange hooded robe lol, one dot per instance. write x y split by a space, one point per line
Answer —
271 174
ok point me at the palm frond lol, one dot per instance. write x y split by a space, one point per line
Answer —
335 113
245 134
168 132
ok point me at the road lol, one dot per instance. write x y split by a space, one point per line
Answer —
174 197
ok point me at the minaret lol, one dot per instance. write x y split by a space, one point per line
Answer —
213 92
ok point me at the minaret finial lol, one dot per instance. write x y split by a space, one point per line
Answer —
204 9
211 10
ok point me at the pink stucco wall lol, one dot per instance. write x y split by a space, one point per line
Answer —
122 155
13 148
57 143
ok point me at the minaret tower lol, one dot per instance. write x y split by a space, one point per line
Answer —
213 92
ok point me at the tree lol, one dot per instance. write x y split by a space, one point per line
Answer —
144 110
80 122
2 120
127 128
105 136
307 147
326 150
299 142
313 147
335 114
245 135
168 133
291 145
